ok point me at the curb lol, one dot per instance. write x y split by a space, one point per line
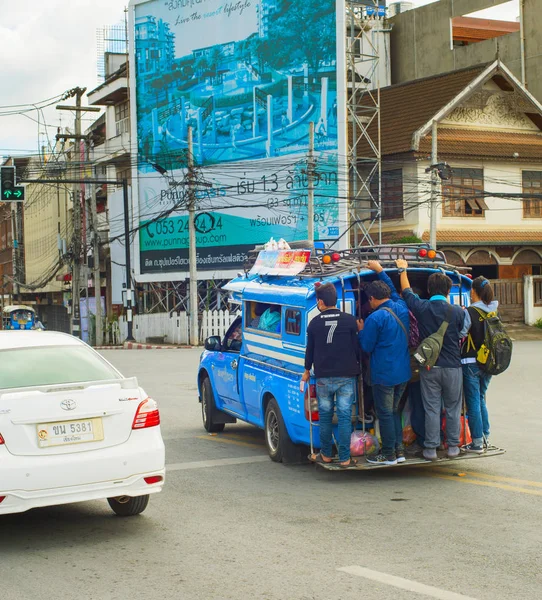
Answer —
136 346
108 347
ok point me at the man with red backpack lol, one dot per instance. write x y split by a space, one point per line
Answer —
384 335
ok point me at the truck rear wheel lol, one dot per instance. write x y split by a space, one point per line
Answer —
279 445
208 408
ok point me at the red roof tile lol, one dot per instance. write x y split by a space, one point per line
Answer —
491 144
495 238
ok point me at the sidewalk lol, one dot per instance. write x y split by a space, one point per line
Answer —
523 333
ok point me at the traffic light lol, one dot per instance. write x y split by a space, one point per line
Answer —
8 190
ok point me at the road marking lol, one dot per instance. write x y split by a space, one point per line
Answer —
500 478
502 486
249 439
404 584
220 462
224 440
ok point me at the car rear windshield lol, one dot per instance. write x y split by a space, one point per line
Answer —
51 365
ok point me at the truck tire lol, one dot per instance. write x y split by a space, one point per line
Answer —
208 408
126 506
279 445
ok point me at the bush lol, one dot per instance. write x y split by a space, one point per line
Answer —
408 239
538 324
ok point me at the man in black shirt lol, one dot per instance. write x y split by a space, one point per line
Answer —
333 349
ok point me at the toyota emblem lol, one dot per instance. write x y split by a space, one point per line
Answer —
68 404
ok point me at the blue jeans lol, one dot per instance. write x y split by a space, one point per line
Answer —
339 391
386 399
475 384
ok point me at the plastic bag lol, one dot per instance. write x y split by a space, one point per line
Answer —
363 443
464 428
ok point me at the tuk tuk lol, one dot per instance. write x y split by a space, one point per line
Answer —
18 317
253 373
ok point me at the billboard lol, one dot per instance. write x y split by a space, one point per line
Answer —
248 76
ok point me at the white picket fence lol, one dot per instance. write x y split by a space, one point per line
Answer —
175 329
216 322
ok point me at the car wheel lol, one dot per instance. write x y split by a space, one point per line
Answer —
126 506
208 408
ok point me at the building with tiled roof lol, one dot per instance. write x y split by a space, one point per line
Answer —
489 131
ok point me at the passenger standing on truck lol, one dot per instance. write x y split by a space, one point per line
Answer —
384 335
333 350
443 384
475 380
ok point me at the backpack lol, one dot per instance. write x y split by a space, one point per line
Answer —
495 353
429 349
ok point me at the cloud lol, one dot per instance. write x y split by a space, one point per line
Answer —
46 49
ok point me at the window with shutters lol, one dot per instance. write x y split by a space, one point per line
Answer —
392 194
532 184
463 194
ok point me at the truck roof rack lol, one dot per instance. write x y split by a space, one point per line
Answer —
352 259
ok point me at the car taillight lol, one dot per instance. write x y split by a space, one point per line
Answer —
2 498
1 440
422 252
153 479
311 404
147 415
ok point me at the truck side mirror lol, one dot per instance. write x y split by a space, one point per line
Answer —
213 343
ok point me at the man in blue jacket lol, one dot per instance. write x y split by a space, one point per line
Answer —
384 335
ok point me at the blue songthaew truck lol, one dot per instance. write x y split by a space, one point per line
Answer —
253 374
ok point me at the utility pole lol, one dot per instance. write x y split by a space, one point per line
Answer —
192 249
96 268
310 183
77 194
129 318
129 309
434 188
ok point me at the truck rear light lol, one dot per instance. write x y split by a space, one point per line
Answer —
311 404
422 252
147 415
153 479
1 440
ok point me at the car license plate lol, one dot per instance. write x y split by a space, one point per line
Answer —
70 432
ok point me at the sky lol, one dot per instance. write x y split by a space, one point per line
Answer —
49 46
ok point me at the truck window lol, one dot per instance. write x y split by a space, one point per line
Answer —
263 316
292 321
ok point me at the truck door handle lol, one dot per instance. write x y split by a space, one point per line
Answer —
234 364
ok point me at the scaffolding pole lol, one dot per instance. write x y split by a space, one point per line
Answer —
363 120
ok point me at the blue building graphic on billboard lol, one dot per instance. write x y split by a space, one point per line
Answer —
248 76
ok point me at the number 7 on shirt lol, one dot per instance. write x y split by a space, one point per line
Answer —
332 326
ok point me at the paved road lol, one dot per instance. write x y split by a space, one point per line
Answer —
233 525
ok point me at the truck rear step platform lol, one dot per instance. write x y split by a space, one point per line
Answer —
363 465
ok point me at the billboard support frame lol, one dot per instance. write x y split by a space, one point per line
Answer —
363 114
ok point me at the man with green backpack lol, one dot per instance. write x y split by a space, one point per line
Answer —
442 326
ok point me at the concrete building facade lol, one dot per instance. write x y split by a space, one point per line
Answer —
423 43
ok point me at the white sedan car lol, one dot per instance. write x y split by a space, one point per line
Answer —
72 428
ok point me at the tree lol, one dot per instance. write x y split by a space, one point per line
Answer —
201 65
303 32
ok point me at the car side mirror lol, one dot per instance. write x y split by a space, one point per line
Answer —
213 343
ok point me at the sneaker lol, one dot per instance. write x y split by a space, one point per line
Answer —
400 456
430 454
453 451
380 459
473 448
